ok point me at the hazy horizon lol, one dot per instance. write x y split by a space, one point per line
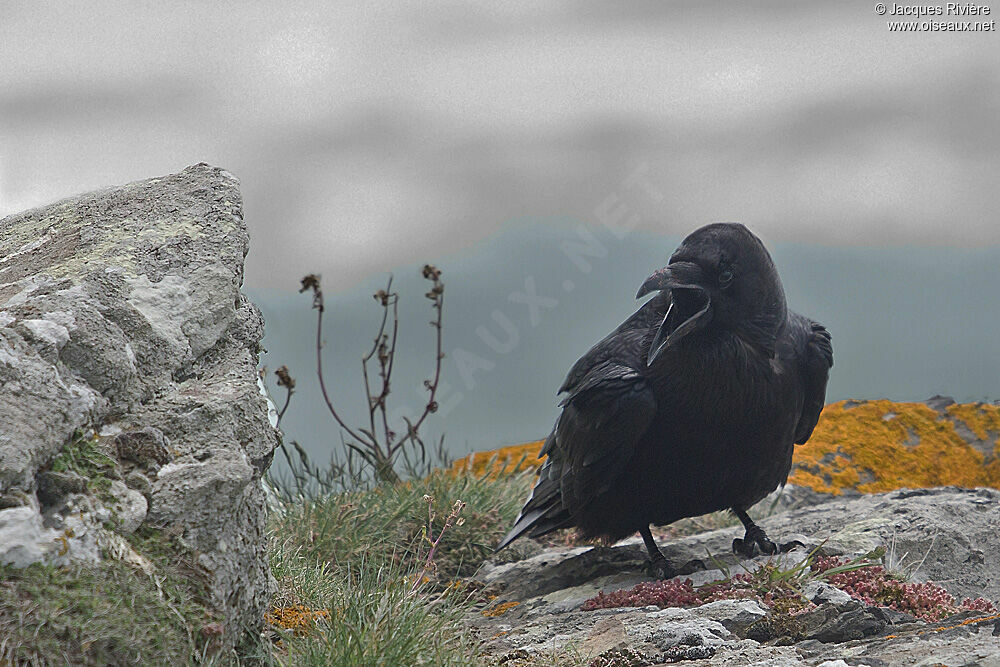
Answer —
371 137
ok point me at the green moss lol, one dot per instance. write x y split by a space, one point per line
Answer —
83 456
108 613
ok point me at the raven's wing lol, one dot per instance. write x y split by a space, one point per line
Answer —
607 410
814 358
623 344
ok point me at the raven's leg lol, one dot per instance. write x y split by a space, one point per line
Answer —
657 562
754 537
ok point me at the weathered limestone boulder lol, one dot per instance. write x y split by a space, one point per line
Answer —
950 536
128 382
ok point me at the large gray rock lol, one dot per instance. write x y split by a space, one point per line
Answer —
121 315
947 535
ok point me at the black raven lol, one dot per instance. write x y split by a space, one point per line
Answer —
691 406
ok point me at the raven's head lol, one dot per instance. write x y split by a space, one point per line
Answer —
720 278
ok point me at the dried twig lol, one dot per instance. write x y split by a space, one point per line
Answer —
312 282
380 450
427 533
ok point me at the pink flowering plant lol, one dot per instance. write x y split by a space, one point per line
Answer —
778 588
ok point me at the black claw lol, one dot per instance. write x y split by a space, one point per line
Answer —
788 546
743 548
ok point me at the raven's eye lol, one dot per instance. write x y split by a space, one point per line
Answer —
725 277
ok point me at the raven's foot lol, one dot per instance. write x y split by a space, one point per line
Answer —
747 547
657 565
753 538
658 568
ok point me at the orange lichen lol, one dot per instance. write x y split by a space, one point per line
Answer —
500 609
501 460
297 618
875 446
870 446
968 621
983 419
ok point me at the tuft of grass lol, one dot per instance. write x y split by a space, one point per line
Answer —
366 614
83 456
385 523
354 585
108 613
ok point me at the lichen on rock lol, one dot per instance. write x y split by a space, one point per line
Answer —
880 445
123 330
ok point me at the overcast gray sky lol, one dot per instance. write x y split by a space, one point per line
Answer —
372 135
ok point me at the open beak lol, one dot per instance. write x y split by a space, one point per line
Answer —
675 277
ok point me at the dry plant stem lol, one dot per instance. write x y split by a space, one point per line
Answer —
452 519
386 349
281 412
381 452
318 305
284 380
433 385
436 294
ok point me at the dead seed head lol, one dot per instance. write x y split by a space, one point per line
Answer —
284 378
310 282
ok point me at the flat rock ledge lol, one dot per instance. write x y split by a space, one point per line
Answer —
127 346
947 535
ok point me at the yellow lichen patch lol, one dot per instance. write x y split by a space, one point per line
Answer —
500 609
875 446
297 618
501 460
983 419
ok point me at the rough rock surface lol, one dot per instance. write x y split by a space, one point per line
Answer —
947 535
122 325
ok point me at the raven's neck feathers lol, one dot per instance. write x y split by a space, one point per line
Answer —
763 329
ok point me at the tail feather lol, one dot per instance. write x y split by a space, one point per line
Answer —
544 511
535 524
524 523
